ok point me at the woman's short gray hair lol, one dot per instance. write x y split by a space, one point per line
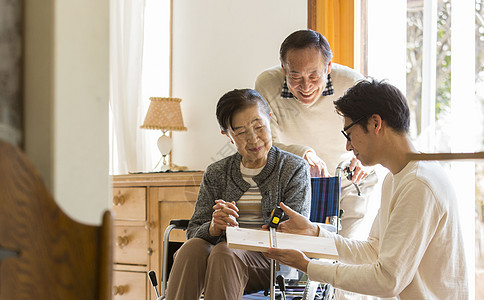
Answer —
235 101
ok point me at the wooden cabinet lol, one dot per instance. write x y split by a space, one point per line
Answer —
143 206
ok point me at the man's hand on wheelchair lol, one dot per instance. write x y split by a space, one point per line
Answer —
359 172
289 257
317 166
224 214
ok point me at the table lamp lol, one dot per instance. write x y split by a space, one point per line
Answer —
164 114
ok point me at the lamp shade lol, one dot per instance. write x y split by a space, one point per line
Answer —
164 114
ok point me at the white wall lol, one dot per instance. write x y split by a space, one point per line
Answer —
66 101
219 46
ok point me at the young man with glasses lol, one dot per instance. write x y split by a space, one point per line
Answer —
415 248
300 94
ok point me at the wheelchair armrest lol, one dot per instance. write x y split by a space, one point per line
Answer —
180 223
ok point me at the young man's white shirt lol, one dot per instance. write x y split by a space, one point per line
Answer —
415 248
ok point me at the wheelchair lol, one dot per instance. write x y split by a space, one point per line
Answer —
325 200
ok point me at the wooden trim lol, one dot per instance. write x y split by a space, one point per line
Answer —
312 14
445 156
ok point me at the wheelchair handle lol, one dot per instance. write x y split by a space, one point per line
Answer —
343 169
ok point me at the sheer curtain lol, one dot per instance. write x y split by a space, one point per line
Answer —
126 113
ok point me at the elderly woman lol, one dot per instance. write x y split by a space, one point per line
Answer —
239 190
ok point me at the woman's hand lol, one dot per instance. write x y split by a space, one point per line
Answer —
360 172
225 214
317 165
289 257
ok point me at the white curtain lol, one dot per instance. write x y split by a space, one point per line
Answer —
126 57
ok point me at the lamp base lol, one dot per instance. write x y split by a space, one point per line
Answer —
165 145
163 167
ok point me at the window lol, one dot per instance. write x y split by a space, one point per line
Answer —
414 44
443 79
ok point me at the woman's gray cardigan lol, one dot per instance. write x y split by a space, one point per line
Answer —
285 178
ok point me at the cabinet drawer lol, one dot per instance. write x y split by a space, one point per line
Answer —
129 203
131 245
129 285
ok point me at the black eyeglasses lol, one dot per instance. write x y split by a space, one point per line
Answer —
347 136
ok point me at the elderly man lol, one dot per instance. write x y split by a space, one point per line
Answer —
415 248
300 94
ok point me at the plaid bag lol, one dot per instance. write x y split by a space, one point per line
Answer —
325 193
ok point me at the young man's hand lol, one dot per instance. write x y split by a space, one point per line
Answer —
297 223
289 257
360 172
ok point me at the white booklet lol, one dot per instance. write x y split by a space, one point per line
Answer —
258 240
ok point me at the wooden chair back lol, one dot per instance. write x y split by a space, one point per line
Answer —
44 254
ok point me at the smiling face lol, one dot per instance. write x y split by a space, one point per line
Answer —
250 133
306 73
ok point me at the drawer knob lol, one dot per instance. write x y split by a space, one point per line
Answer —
122 241
119 289
118 200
